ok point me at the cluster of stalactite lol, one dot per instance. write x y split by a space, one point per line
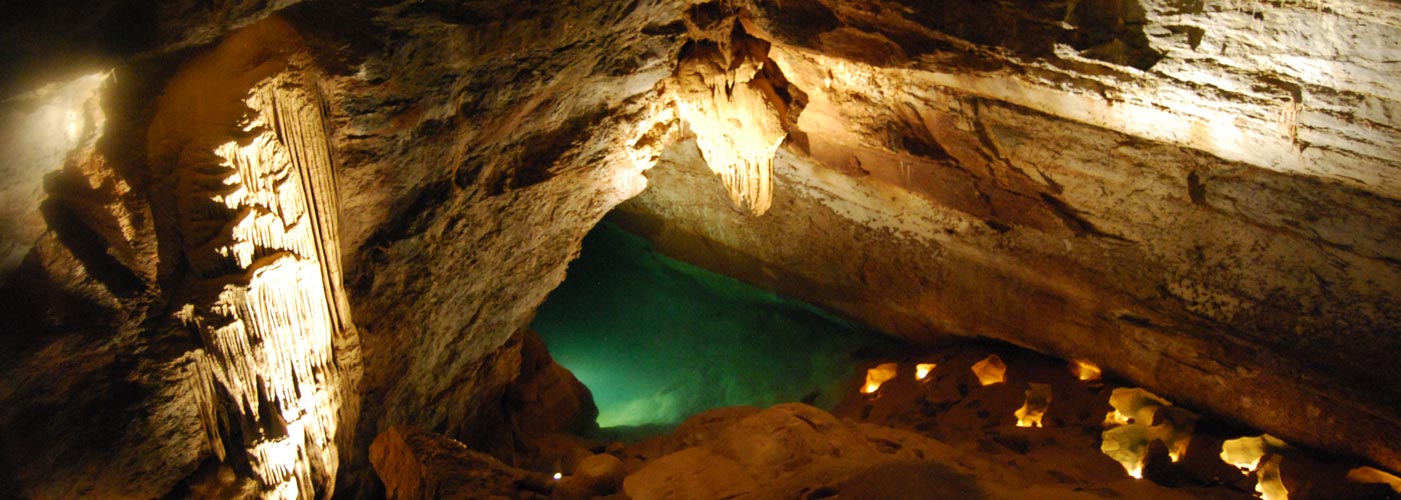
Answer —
723 94
280 358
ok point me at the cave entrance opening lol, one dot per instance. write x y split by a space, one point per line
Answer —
658 340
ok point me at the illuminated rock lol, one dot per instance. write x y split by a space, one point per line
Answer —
1085 370
1269 484
990 370
1139 418
1200 197
1038 399
1030 191
879 375
1371 475
922 370
1246 453
259 214
725 96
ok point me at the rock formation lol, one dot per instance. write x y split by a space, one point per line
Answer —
242 240
256 209
1175 191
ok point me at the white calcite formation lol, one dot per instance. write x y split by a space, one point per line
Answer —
258 209
732 108
277 392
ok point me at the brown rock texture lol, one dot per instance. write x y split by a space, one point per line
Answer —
419 465
797 451
1190 194
1200 196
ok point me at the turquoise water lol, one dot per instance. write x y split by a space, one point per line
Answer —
658 340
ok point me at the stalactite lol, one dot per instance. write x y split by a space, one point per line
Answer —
281 357
737 117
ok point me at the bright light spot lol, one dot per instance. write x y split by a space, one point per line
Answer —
1133 405
1128 445
922 370
1126 441
1247 453
74 126
1085 370
736 117
1038 399
1244 453
1269 484
1372 475
558 476
879 375
990 370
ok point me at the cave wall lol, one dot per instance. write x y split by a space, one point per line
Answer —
1201 201
473 145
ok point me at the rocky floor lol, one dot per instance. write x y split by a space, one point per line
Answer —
965 422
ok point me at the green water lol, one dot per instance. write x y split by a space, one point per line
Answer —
658 340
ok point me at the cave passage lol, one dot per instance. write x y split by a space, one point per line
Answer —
657 340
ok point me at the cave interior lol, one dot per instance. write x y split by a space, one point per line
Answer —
701 249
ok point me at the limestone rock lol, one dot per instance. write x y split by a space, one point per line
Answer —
600 474
1196 192
546 397
690 474
797 451
419 465
1200 195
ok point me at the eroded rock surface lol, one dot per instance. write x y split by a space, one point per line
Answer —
1200 196
416 464
1192 194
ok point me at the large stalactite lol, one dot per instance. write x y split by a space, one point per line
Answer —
257 215
730 103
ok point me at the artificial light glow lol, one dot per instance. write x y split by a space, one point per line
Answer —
1038 399
1268 483
990 370
1244 453
1128 445
1373 475
879 375
1130 428
45 130
922 370
558 476
1249 455
1085 370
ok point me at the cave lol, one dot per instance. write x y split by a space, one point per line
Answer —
689 249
